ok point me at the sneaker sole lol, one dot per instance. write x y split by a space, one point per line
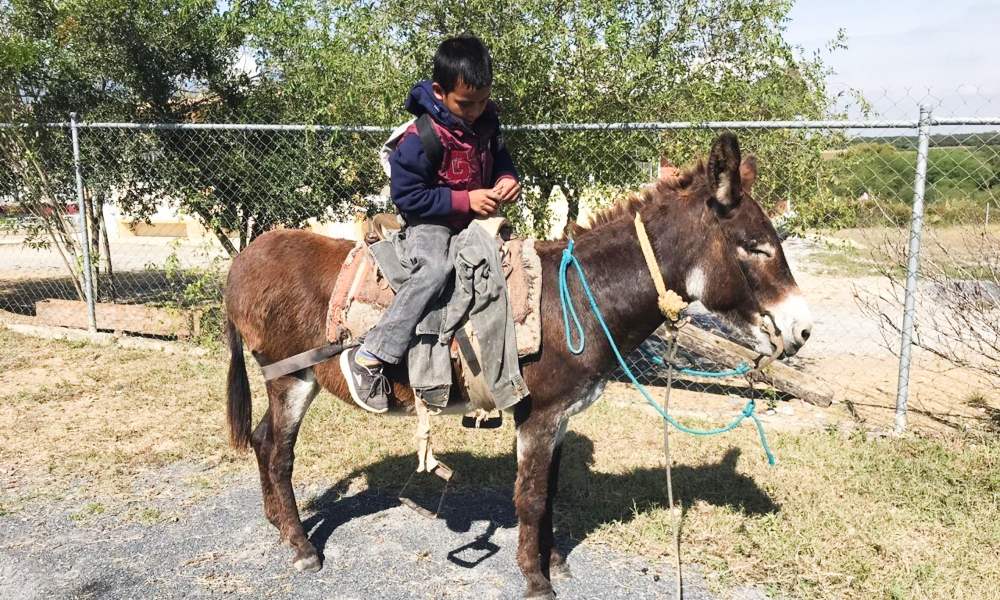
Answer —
345 368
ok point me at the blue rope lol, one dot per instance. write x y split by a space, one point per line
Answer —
566 301
569 310
741 369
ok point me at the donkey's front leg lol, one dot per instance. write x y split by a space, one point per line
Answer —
290 397
557 566
536 442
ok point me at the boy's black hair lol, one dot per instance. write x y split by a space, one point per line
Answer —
465 57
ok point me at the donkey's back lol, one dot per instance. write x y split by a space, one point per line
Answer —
278 289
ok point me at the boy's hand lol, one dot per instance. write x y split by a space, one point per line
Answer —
483 202
507 189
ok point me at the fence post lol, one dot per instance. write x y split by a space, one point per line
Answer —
88 283
913 266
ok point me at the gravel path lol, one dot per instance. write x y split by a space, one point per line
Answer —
373 548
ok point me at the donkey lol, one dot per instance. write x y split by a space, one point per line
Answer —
713 243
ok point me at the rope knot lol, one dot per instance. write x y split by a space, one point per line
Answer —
671 305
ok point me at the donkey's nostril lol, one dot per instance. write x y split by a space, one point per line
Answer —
805 334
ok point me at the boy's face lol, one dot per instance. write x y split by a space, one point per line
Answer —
464 102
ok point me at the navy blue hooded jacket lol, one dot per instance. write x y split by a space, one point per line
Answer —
473 158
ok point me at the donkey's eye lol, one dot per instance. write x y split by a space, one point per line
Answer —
760 250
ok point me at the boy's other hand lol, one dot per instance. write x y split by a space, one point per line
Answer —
507 189
483 202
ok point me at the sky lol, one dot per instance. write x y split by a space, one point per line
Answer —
903 53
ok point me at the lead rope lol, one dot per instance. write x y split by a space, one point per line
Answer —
672 355
669 302
671 305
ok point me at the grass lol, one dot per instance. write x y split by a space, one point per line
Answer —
840 516
843 262
99 416
963 253
88 510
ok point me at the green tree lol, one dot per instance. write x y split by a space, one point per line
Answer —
569 62
351 63
166 61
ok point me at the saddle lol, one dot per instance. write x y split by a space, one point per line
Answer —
362 294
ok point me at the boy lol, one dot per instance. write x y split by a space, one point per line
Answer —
476 175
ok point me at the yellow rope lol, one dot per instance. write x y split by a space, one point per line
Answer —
668 301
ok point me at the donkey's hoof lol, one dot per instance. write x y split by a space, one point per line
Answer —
549 596
309 564
560 572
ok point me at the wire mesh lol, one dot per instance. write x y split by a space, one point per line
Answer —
169 207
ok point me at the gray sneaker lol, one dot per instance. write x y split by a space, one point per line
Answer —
369 387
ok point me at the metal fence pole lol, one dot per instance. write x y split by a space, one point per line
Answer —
88 282
913 266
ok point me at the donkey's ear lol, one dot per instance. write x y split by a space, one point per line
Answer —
724 170
748 172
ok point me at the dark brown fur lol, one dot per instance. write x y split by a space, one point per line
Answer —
278 290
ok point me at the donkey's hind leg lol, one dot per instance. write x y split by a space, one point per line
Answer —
263 445
290 397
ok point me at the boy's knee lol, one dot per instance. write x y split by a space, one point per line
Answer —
434 273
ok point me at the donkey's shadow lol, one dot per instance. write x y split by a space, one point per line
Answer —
587 500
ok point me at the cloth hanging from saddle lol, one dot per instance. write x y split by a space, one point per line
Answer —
494 306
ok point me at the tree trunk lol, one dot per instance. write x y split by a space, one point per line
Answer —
572 207
540 214
220 233
94 242
55 224
227 245
109 271
244 232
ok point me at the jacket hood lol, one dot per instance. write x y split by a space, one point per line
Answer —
421 100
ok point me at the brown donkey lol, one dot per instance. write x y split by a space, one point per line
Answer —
712 241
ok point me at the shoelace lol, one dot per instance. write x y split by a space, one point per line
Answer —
380 383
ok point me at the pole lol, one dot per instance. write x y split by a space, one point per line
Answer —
88 283
912 267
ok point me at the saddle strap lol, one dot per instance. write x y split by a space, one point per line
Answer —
300 361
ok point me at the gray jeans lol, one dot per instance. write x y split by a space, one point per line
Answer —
431 270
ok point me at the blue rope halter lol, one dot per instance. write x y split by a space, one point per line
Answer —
569 311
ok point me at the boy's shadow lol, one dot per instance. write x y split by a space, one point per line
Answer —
586 501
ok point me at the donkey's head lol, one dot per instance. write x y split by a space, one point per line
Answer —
737 268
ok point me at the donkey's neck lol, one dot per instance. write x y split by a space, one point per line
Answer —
619 278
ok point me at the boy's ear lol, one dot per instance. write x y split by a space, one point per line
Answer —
438 91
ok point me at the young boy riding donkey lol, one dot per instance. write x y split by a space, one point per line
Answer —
474 176
700 234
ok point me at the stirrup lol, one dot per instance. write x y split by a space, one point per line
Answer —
426 463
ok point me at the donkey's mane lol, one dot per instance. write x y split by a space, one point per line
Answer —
676 185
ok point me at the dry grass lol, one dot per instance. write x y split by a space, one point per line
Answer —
838 517
841 516
75 415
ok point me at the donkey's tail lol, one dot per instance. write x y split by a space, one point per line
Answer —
239 408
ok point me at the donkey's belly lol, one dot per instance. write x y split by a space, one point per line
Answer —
405 410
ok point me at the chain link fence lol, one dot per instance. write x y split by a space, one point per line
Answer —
163 208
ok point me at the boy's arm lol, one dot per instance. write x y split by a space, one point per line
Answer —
413 184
